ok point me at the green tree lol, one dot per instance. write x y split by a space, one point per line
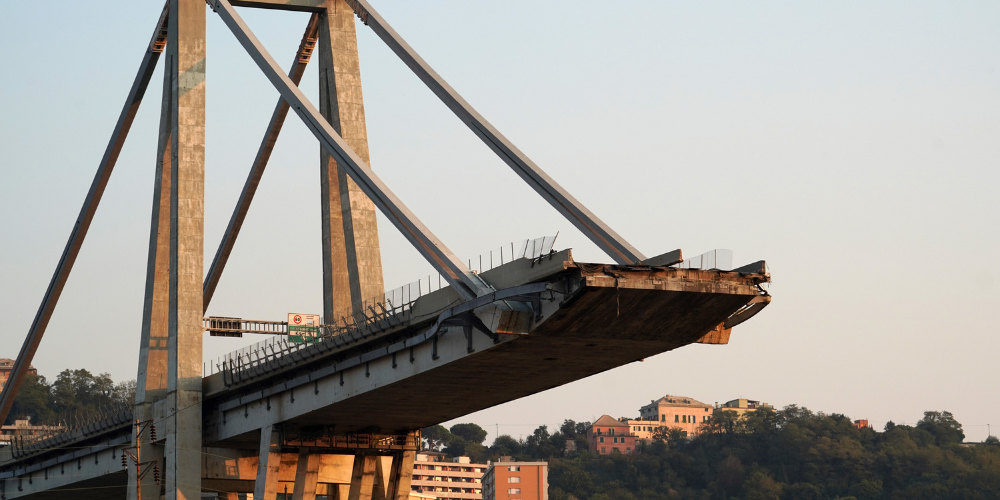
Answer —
472 433
435 437
943 426
79 391
505 446
34 401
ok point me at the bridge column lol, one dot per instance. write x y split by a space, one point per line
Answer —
352 263
266 486
400 476
185 62
363 478
306 474
151 378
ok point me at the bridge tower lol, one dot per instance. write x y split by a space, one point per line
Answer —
169 372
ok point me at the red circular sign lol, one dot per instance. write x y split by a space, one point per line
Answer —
297 319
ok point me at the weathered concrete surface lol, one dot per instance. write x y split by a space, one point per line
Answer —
186 64
352 263
606 327
611 315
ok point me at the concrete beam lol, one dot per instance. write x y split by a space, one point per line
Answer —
425 242
96 468
266 486
296 5
151 377
306 474
363 478
401 475
264 151
575 212
231 417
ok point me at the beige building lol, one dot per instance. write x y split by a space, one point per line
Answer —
671 412
24 429
439 478
742 405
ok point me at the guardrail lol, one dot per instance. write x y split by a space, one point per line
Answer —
278 352
401 298
77 427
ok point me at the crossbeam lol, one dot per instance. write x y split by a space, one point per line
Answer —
466 283
302 57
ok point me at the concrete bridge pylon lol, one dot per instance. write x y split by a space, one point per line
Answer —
169 377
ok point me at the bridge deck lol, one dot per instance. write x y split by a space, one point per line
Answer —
615 316
582 319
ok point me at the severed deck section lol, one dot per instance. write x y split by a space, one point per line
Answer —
562 321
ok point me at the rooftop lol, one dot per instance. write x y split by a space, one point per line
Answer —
607 421
672 400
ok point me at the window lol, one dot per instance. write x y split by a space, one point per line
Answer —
663 417
514 491
611 432
516 468
514 479
602 439
677 418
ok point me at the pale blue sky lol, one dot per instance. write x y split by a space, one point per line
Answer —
854 145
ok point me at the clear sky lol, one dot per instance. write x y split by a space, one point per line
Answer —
853 145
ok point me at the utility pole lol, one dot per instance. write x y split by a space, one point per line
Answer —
133 454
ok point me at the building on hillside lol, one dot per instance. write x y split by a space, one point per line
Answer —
23 428
671 412
643 430
7 366
862 424
742 405
509 480
607 435
458 479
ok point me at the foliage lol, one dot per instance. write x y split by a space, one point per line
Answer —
74 393
788 454
471 433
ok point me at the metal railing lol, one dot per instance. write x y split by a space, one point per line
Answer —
276 353
378 315
719 259
76 427
403 297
